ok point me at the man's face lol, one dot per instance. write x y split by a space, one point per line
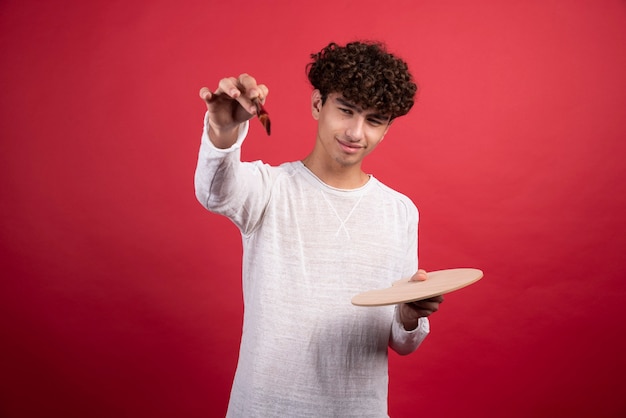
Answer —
346 131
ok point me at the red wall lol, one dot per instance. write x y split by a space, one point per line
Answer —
120 295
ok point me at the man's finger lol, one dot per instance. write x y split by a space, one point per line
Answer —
205 94
420 276
230 86
248 85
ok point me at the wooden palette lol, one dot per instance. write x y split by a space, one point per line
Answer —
438 283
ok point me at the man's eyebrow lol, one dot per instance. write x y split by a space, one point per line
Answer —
346 103
357 109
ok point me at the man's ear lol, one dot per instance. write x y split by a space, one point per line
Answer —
316 104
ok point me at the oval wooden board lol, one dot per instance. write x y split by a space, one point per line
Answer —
438 283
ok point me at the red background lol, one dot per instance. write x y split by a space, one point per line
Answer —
120 295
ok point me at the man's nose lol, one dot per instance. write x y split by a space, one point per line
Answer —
355 129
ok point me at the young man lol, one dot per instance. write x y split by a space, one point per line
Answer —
315 233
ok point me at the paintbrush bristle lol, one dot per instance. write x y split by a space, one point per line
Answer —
265 121
262 114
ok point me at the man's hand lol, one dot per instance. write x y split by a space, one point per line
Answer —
230 105
411 312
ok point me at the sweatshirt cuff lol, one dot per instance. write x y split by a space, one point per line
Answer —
404 342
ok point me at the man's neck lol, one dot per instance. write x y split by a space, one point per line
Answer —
336 175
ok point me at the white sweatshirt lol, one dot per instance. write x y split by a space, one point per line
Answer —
306 351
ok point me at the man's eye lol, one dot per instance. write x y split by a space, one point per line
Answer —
346 111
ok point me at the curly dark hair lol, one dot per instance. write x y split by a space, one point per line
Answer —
365 74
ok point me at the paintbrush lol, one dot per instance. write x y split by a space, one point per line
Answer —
262 114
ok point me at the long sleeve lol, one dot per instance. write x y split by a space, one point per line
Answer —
405 342
401 341
210 158
229 187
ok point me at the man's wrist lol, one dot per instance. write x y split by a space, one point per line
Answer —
409 324
222 137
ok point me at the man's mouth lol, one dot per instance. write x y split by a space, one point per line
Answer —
350 147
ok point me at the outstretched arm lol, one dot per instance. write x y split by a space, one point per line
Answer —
223 183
